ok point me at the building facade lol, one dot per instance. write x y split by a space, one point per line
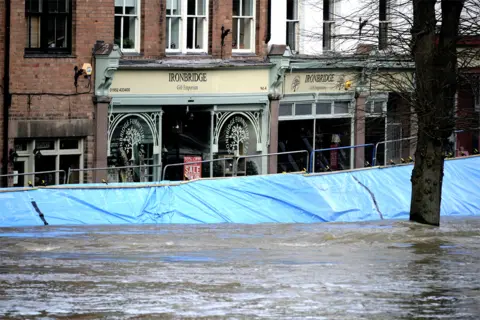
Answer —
133 82
344 79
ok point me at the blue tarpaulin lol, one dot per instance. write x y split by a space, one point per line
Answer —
362 195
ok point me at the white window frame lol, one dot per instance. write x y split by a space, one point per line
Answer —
295 23
137 15
370 108
57 152
253 20
331 23
313 114
182 32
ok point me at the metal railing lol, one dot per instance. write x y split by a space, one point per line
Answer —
70 171
312 164
237 159
193 162
374 160
34 174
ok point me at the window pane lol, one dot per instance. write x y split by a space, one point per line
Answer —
378 107
131 6
72 162
285 110
341 107
201 7
327 35
117 32
33 32
45 144
45 163
291 9
236 8
173 33
69 144
200 25
57 6
173 7
302 109
21 145
56 32
191 7
129 25
292 34
118 9
245 33
324 108
247 7
33 5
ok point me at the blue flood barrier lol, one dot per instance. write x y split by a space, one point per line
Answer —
362 195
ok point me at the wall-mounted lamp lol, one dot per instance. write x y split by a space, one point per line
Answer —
12 156
37 153
223 35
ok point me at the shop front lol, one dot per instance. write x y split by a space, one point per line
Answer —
316 112
165 116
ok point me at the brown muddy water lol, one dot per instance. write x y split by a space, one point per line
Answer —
376 270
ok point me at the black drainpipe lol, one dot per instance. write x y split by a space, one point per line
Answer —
269 22
6 91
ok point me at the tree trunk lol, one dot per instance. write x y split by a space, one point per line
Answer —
435 56
427 178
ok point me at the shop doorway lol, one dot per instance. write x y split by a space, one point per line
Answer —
185 133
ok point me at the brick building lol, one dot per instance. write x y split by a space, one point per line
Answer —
157 65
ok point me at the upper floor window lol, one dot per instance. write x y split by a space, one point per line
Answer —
49 26
243 26
187 26
292 24
384 22
127 25
328 25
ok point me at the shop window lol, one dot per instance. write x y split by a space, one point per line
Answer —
293 136
341 107
49 26
323 108
328 24
243 26
127 25
49 155
332 133
187 26
285 109
292 24
303 109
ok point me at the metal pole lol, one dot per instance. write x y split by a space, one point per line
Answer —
67 177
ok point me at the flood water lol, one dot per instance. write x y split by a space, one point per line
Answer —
380 270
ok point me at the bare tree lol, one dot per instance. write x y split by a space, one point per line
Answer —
428 39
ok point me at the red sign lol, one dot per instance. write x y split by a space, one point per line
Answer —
192 171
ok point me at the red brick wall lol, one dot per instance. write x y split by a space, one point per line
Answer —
152 21
43 77
220 14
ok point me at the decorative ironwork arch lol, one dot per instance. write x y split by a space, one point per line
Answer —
223 117
151 119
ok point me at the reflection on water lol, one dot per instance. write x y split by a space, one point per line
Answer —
383 270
